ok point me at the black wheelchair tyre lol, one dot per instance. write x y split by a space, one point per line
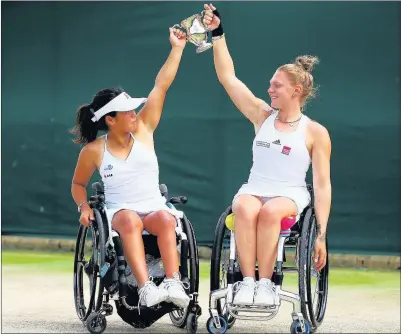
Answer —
179 317
215 263
96 323
192 323
80 264
295 328
306 244
213 330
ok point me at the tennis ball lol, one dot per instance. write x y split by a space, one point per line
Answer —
230 223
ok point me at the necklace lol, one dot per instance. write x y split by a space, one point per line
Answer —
291 123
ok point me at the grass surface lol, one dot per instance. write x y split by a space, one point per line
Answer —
37 262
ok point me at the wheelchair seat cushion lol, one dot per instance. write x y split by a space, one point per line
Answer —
286 222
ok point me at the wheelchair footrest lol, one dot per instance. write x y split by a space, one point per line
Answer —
253 308
269 312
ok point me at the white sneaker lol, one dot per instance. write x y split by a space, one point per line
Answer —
150 294
175 290
265 294
246 290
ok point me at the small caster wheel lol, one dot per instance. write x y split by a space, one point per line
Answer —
192 323
108 309
296 327
211 328
96 323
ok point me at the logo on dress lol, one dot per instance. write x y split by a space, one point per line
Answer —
107 175
262 143
277 142
109 167
286 150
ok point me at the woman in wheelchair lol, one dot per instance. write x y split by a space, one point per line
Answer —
128 165
286 143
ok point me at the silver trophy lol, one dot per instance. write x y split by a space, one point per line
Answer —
197 33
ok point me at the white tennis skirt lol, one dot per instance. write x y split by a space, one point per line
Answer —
299 195
142 211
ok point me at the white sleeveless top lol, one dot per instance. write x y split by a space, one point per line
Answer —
280 163
280 157
133 182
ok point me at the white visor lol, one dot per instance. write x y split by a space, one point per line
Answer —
122 102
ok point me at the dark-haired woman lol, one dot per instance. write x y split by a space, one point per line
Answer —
128 165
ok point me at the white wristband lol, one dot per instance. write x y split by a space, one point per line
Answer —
79 206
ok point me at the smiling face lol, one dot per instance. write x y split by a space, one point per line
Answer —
283 92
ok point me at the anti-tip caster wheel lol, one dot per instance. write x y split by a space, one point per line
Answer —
96 323
211 328
296 327
192 323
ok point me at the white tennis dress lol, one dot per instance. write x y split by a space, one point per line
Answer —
280 163
133 183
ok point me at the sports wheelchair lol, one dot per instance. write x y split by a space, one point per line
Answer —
101 258
307 316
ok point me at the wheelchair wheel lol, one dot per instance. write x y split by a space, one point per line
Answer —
313 285
180 317
219 264
96 323
86 263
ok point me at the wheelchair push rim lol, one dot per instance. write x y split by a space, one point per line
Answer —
313 296
89 268
218 276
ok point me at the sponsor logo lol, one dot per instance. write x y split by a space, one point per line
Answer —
286 150
262 143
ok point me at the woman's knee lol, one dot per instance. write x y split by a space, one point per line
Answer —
166 221
127 222
160 223
274 210
246 209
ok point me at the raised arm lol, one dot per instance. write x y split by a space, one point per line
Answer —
151 113
252 107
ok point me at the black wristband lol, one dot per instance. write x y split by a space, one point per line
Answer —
219 30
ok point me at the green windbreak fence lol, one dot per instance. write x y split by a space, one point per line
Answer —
57 55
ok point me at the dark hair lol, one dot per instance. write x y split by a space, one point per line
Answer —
86 130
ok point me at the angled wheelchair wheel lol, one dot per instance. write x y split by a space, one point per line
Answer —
179 317
188 317
313 285
88 255
219 265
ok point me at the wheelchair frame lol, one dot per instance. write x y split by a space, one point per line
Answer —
301 237
107 249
